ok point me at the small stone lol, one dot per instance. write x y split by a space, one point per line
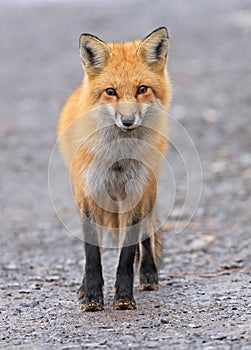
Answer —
25 291
210 115
34 278
201 243
152 345
164 321
219 337
11 266
52 278
218 167
193 325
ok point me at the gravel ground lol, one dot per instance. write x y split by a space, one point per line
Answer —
205 282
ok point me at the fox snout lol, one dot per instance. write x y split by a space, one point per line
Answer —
128 115
127 122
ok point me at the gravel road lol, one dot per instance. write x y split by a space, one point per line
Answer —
205 282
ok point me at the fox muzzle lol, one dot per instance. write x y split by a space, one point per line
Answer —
127 122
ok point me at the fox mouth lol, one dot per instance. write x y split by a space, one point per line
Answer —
125 128
129 128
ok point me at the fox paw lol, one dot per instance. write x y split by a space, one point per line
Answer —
92 305
148 286
124 304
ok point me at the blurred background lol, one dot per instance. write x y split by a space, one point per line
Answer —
209 65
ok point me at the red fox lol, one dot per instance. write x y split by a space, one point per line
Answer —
112 134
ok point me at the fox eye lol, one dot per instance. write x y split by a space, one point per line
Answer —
111 92
142 89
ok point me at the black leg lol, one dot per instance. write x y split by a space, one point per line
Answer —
91 290
148 270
123 299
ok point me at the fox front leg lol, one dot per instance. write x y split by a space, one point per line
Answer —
124 299
91 290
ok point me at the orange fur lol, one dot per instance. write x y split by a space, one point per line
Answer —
124 71
89 134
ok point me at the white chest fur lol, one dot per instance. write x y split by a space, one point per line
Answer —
119 170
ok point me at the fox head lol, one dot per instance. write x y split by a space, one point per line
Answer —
127 81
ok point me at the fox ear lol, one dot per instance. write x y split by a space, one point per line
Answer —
93 52
154 48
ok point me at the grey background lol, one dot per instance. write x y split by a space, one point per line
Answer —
204 296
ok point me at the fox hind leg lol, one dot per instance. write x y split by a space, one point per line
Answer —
150 250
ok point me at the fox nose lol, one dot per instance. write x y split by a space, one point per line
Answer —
128 120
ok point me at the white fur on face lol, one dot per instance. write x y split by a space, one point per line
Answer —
145 114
